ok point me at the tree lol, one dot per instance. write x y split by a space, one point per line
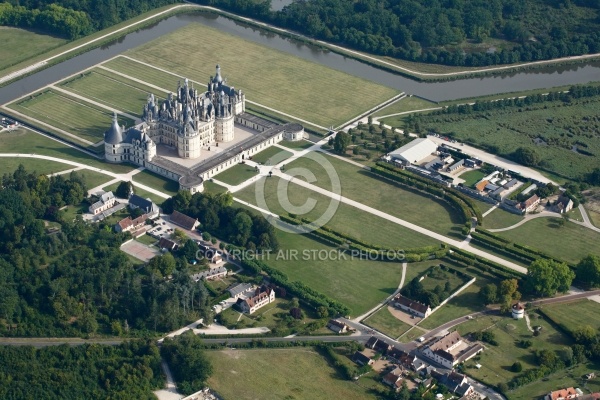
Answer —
508 287
585 335
516 367
588 271
187 360
179 235
340 143
296 313
488 294
124 190
546 277
526 156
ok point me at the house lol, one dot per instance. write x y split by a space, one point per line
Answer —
165 243
393 379
563 204
440 351
262 296
131 225
239 289
564 394
106 201
371 342
413 152
411 306
210 274
337 326
146 205
362 359
530 204
470 163
455 382
211 254
184 221
378 345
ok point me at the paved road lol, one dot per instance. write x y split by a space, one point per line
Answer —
586 219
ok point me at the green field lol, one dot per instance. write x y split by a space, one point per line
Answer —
409 103
570 242
359 284
558 125
346 219
271 156
385 322
266 75
156 181
471 177
300 145
211 187
500 218
575 314
39 166
292 374
140 192
236 174
112 90
84 120
24 141
364 187
19 45
496 360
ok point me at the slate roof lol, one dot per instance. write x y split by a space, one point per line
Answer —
114 135
183 220
361 358
239 288
165 243
413 305
140 202
209 273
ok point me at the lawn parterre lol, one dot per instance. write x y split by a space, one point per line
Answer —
471 177
360 185
500 218
300 145
266 75
385 322
409 103
32 165
346 218
569 242
157 182
236 174
72 115
20 44
272 155
237 375
575 314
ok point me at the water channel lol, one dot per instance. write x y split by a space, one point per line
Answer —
436 91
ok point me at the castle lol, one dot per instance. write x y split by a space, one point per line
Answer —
191 122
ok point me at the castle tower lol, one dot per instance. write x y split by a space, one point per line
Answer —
113 139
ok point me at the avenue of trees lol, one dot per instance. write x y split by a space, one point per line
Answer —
441 31
77 281
127 371
217 216
70 18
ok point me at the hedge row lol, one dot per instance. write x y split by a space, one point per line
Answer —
298 289
470 259
460 201
507 248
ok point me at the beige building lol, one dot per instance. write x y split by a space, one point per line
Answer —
106 201
262 296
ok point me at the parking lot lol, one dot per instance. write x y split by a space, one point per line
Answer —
139 250
160 229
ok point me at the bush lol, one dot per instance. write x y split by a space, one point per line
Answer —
516 367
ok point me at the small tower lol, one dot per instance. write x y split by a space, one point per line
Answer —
518 310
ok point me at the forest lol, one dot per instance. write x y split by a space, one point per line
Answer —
77 281
128 371
72 18
450 32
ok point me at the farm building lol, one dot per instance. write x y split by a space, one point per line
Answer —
414 152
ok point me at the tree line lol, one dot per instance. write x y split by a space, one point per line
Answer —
434 31
72 19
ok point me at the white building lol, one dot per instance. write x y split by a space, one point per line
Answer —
106 201
262 296
414 152
518 311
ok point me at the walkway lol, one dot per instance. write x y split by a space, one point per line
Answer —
123 177
549 214
170 391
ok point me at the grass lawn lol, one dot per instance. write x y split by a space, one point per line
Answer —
409 103
112 90
69 114
93 178
271 156
360 185
575 314
346 219
32 165
466 302
211 187
71 212
265 74
140 192
299 145
440 278
471 177
25 141
411 335
385 322
570 242
236 174
416 269
500 218
293 374
147 239
571 377
20 44
156 181
359 284
496 360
